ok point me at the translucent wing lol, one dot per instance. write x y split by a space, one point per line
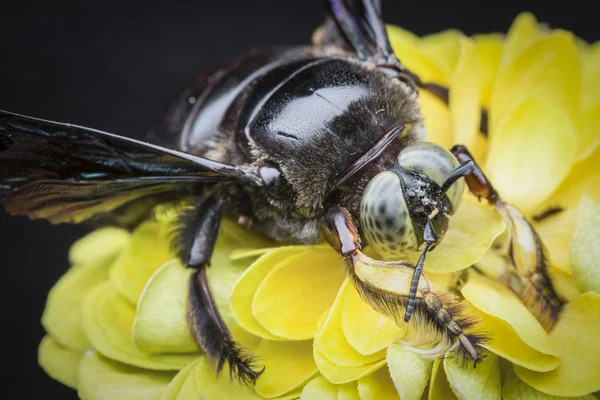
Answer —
68 173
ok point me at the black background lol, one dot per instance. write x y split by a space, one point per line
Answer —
113 66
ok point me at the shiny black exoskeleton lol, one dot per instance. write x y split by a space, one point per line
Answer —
296 143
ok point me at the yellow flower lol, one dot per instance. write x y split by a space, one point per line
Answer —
116 321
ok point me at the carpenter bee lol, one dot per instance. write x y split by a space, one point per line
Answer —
302 144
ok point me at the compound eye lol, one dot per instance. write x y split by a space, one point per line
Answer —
270 175
436 163
384 216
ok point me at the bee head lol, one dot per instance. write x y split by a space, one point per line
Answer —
397 203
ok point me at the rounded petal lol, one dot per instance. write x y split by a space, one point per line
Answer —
174 388
336 374
107 322
496 300
409 371
161 322
62 315
585 251
509 345
518 163
576 338
468 382
465 88
102 379
523 32
377 386
292 297
556 232
590 77
330 339
188 390
587 123
584 177
211 386
439 388
470 234
99 245
246 287
515 389
348 391
549 68
436 116
148 250
319 389
288 365
241 253
563 285
443 49
59 362
413 57
365 329
489 51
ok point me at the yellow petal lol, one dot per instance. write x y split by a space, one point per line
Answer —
549 69
218 387
243 237
489 51
470 234
319 389
439 388
409 371
348 391
563 285
337 374
556 232
377 386
496 300
465 90
62 315
436 116
332 343
406 46
526 140
292 297
287 366
367 330
587 129
188 390
174 388
101 244
102 379
576 337
523 32
468 382
584 177
58 362
585 248
245 288
148 250
443 49
241 253
506 343
107 322
590 77
161 322
515 389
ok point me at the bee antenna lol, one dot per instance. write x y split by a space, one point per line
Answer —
462 170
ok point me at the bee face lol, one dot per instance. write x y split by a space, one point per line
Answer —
396 204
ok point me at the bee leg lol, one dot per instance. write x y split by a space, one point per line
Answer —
527 268
195 241
440 317
430 238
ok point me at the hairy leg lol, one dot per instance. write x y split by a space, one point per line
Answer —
526 271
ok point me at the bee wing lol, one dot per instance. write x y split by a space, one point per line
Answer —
68 173
360 23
